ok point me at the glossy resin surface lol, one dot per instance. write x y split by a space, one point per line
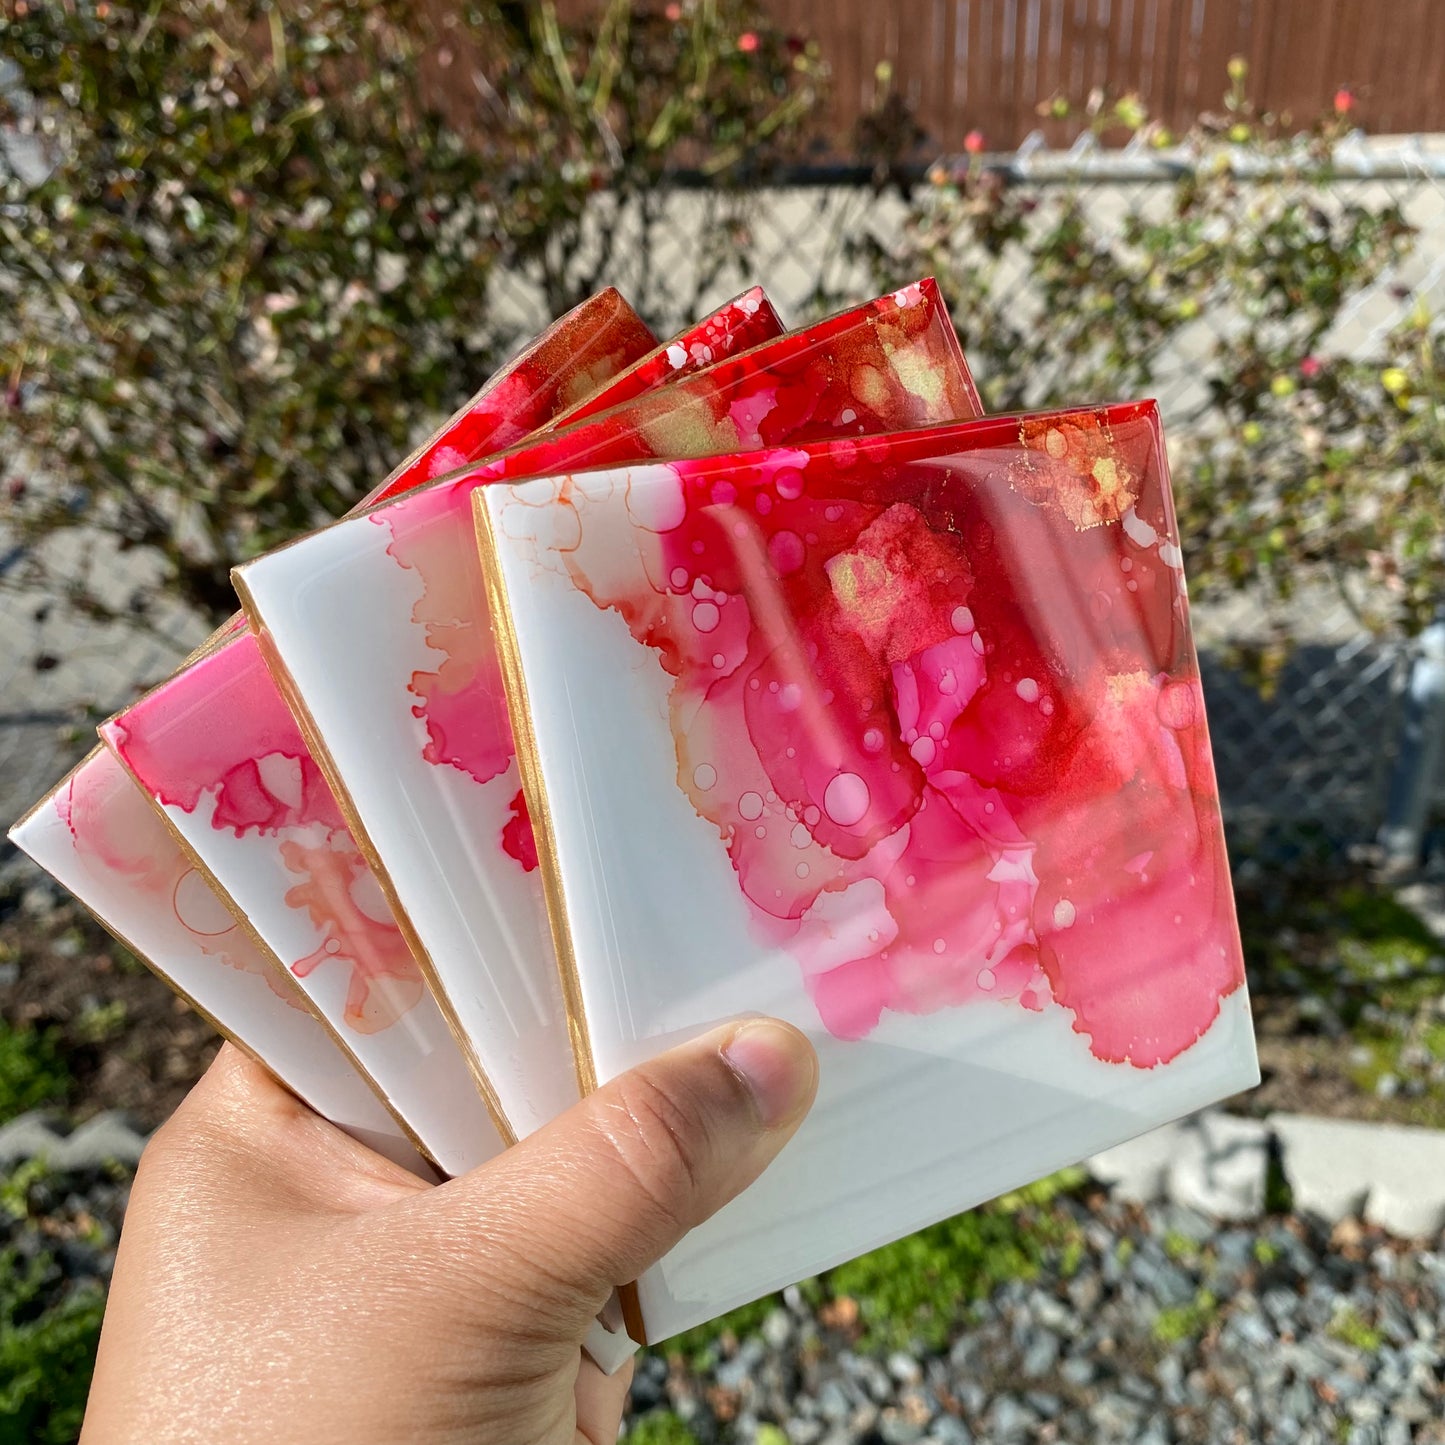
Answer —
903 740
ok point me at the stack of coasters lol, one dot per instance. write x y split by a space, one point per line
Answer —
755 672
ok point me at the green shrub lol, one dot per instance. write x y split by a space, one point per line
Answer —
262 265
47 1354
32 1070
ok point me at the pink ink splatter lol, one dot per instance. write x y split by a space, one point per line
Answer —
518 840
956 749
384 980
111 824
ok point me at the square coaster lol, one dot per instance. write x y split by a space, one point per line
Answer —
97 835
378 630
902 740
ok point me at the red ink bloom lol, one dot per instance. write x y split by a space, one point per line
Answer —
944 769
518 840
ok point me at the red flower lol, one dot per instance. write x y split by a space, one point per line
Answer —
748 42
1311 367
673 12
1344 101
973 142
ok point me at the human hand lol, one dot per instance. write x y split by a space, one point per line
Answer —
276 1281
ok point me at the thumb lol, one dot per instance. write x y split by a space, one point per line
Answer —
589 1202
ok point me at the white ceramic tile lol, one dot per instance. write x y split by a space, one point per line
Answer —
908 749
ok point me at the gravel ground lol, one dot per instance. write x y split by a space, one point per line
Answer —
1158 1325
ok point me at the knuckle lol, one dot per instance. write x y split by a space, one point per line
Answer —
661 1139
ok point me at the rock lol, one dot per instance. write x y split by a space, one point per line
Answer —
1043 1402
904 1368
833 1403
804 1432
29 1136
1337 1166
1114 1418
1078 1372
733 1374
896 1429
1137 1170
1219 1165
1040 1356
870 1375
777 1329
949 1430
105 1139
1010 1420
972 1396
649 1382
793 1300
1170 1374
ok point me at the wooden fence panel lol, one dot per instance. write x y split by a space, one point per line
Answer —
987 64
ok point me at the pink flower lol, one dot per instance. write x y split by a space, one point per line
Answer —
1344 101
748 42
1311 367
973 142
673 12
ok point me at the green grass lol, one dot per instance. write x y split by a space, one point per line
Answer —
918 1289
32 1070
1186 1322
46 1355
660 1427
1350 1329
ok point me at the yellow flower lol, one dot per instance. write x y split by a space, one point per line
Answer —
1394 380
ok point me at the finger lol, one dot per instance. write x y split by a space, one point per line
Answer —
589 1202
601 1399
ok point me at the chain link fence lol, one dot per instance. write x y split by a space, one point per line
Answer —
1313 754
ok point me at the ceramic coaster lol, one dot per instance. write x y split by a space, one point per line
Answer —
378 629
96 834
900 739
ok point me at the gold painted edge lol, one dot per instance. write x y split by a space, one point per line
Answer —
529 763
524 735
270 955
321 754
